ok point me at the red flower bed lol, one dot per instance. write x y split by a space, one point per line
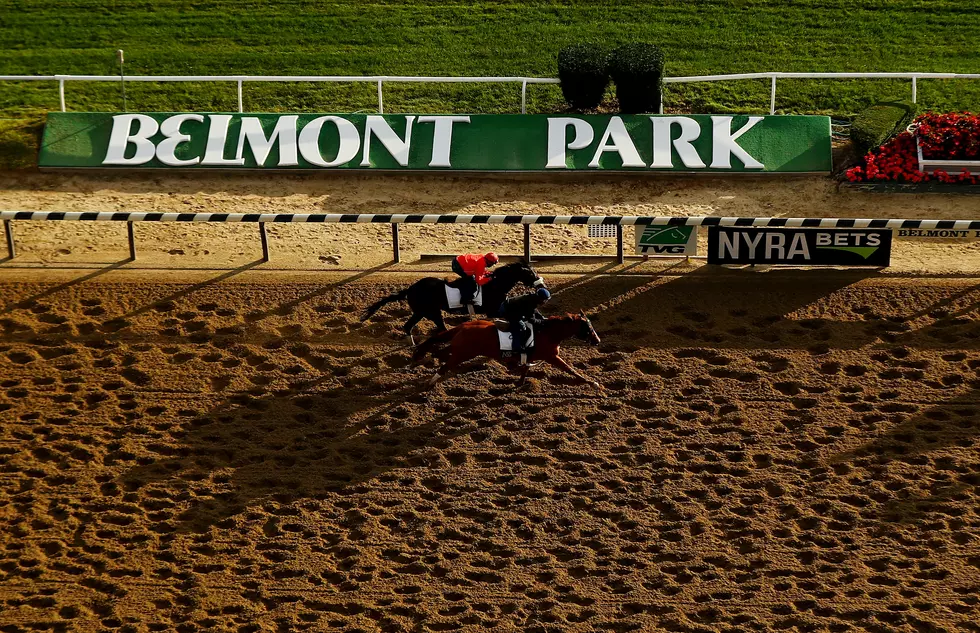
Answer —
954 136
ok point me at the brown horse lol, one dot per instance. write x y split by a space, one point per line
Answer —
479 338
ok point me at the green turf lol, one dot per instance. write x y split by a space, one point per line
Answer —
479 38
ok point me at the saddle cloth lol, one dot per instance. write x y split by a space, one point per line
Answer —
453 294
507 343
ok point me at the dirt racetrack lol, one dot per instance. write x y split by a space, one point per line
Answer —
781 451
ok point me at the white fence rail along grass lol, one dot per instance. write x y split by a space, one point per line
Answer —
396 219
380 80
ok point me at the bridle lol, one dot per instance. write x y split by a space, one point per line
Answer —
586 331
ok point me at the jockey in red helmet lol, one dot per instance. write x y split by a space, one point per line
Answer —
473 269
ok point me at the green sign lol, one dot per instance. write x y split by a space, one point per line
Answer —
694 143
666 240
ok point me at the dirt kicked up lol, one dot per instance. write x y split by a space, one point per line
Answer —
782 451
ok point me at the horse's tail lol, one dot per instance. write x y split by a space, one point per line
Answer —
377 305
436 339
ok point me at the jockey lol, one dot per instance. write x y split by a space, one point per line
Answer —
522 310
473 269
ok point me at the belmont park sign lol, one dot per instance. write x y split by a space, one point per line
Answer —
651 143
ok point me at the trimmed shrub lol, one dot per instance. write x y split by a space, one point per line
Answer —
638 70
19 142
584 74
871 128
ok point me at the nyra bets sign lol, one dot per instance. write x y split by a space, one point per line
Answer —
649 143
801 247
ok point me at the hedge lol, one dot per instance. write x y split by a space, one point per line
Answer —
872 127
584 73
19 142
638 70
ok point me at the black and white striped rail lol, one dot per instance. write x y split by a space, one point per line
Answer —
434 218
396 219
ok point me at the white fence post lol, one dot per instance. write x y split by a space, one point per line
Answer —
914 91
381 104
61 93
772 95
240 96
524 97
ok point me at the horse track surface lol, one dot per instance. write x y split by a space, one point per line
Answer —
781 451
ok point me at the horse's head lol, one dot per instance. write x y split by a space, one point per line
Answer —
519 273
585 330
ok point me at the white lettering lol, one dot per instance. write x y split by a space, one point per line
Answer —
167 148
723 145
798 247
309 141
121 136
690 130
874 239
752 243
397 148
775 246
214 152
622 144
582 137
284 133
668 248
442 137
823 239
840 239
727 242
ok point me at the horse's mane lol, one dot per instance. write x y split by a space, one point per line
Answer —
555 319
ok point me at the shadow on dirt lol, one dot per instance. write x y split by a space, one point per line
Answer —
815 310
311 444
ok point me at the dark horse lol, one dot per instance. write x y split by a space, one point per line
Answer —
427 296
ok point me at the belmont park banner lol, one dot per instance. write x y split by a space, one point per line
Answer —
498 142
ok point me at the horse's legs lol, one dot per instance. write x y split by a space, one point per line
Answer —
451 360
410 325
525 370
556 361
437 319
442 354
444 370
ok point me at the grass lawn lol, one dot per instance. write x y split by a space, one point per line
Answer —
477 38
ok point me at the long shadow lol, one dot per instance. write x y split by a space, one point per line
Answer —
739 309
716 307
164 303
928 442
302 444
951 326
28 302
952 423
180 294
287 307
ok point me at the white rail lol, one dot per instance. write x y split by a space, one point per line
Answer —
241 79
380 80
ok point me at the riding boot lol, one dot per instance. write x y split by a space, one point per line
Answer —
467 292
470 288
521 334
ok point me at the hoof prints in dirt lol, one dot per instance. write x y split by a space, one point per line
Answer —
213 465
